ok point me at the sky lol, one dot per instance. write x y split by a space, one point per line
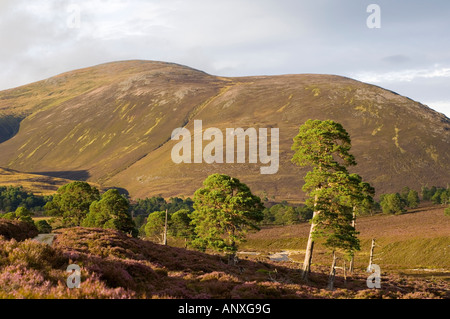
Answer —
400 45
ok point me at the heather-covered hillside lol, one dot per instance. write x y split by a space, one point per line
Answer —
115 265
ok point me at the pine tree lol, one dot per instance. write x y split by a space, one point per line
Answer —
154 228
361 199
412 199
111 211
324 146
72 202
392 204
225 209
180 225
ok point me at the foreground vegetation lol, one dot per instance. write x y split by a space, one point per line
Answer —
115 265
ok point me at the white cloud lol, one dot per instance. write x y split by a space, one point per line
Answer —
440 106
403 75
233 38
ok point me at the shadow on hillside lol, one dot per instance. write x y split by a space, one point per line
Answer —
9 126
420 209
80 175
121 190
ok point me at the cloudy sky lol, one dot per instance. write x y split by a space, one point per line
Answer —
409 53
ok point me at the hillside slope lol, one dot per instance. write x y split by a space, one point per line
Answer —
34 183
416 239
111 124
114 265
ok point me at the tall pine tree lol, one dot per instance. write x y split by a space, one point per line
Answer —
325 147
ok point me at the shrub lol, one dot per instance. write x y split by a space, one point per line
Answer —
43 226
392 204
17 229
412 199
447 211
32 254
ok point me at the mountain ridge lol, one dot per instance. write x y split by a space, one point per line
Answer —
112 124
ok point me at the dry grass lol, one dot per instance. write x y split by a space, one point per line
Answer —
424 222
37 184
413 245
417 239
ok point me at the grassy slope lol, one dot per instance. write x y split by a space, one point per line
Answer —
34 183
417 239
125 111
112 123
371 115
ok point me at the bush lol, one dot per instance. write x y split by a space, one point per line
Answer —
18 230
33 254
447 211
392 204
43 227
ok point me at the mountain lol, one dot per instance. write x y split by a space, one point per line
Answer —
111 124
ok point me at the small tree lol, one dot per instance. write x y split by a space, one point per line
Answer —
72 202
436 198
447 211
335 222
43 226
154 229
23 214
180 226
225 209
359 195
404 193
426 193
10 216
392 204
445 197
412 199
111 211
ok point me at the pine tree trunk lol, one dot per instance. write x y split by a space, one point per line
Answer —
352 261
371 253
345 271
165 231
309 250
232 257
332 273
